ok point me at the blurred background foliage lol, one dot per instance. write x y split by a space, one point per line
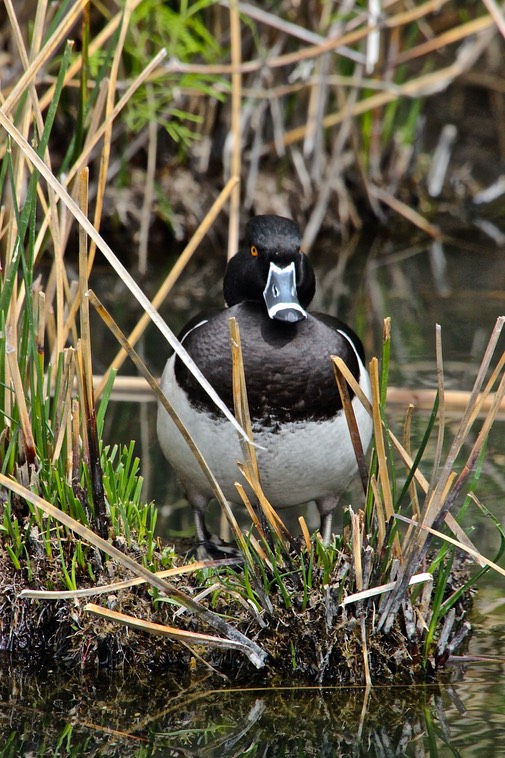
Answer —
332 134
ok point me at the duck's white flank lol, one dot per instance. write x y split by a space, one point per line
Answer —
301 461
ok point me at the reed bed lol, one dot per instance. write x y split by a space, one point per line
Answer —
385 601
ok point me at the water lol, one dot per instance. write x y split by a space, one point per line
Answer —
57 711
62 713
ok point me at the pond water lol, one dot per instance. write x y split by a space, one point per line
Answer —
461 286
61 713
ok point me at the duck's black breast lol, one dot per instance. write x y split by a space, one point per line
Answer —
289 374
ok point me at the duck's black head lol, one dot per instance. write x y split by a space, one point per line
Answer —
271 268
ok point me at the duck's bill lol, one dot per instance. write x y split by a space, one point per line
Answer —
280 294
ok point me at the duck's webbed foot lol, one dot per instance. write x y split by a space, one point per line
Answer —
214 549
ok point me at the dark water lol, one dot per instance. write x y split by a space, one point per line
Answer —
460 286
59 713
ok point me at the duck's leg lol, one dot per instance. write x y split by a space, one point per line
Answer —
326 506
208 546
199 505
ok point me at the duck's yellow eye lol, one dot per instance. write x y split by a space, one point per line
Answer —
253 250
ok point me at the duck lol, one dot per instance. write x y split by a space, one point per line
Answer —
304 448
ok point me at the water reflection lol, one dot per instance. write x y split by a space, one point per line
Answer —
61 712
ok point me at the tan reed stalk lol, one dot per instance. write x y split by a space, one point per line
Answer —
64 402
380 513
236 153
261 554
366 666
455 400
75 452
352 425
19 393
305 533
486 393
273 518
83 287
420 399
107 138
406 211
439 41
249 467
381 450
241 403
441 402
356 550
82 399
147 203
250 510
161 630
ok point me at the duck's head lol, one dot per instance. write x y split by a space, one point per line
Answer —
270 268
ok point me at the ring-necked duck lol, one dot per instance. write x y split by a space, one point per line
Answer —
305 451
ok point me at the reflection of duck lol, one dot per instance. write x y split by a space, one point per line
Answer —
305 452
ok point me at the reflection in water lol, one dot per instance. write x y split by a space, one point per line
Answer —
58 712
